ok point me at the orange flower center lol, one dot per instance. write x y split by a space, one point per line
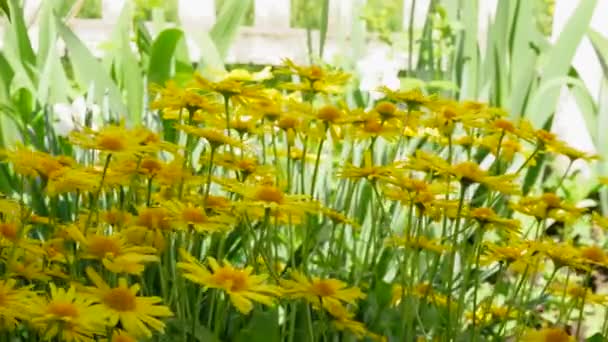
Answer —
9 230
287 122
323 288
151 165
153 218
372 125
63 309
216 202
120 299
386 109
231 279
505 125
269 193
329 113
316 72
111 142
556 335
552 200
193 215
593 253
99 246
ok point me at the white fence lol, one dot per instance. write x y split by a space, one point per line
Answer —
267 41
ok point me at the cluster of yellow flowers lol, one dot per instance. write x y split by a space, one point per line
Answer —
265 190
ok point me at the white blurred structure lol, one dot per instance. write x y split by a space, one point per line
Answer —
271 39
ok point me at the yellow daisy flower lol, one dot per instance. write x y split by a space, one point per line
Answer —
121 304
242 287
69 316
320 292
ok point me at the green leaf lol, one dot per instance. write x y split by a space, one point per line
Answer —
559 59
323 28
210 56
53 84
88 70
18 32
596 338
226 27
600 44
162 56
263 327
539 98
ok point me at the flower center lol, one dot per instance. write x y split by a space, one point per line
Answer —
323 288
556 335
193 215
150 166
232 280
329 113
269 193
9 230
111 142
153 218
99 246
593 253
386 109
120 299
63 309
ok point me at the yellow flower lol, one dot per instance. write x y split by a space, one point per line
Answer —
512 251
313 79
121 304
562 254
412 98
423 291
577 292
68 180
114 139
213 136
321 293
469 173
265 195
343 321
487 314
121 336
69 316
114 251
15 304
242 287
237 90
34 163
547 335
487 218
548 205
187 216
416 243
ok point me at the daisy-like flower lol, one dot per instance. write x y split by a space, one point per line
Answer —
15 304
594 255
487 218
489 314
412 98
69 316
547 205
187 216
266 195
371 125
34 163
137 315
115 251
239 284
67 180
313 79
577 292
469 173
235 88
321 292
423 291
417 243
510 252
215 137
113 139
172 98
562 254
343 320
547 335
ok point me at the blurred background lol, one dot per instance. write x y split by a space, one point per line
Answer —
543 60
